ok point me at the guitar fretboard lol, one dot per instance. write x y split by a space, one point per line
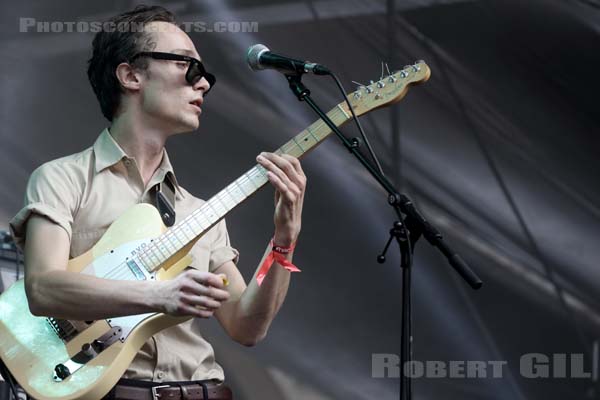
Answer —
211 212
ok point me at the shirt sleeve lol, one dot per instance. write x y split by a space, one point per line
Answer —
220 249
50 193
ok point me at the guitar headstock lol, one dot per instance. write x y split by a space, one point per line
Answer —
389 89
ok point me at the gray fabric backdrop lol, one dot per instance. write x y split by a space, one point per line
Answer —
499 150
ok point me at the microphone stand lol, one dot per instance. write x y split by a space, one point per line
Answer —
407 229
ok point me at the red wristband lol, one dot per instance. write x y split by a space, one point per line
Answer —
277 254
282 249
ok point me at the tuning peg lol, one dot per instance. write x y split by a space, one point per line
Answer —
360 87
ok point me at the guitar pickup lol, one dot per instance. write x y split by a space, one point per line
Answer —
136 270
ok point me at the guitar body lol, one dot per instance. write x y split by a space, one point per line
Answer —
31 348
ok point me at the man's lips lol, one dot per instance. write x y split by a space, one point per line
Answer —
196 107
197 104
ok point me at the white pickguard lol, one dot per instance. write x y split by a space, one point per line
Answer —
113 265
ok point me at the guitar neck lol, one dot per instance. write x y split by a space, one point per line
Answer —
217 207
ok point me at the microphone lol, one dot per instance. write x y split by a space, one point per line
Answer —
260 57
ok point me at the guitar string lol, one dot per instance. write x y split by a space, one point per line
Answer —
151 251
291 145
162 243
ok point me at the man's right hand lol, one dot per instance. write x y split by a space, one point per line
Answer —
192 293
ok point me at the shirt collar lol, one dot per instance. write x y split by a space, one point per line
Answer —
107 153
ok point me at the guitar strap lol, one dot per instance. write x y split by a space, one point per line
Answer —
164 199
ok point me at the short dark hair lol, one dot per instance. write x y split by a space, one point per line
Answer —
118 44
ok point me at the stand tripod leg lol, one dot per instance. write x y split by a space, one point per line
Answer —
403 238
406 337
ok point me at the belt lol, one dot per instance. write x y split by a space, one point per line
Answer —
179 391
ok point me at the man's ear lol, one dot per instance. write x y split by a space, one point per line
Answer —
128 77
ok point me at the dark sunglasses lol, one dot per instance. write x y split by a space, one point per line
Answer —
195 72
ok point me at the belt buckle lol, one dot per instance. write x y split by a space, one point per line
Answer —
155 396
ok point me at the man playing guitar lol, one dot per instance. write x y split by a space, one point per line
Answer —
150 85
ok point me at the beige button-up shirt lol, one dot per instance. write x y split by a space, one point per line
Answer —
84 193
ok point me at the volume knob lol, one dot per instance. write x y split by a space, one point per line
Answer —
62 371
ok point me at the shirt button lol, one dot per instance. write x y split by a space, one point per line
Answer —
160 374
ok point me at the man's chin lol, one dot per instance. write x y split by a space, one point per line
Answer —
188 126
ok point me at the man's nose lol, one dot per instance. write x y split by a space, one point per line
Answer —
202 84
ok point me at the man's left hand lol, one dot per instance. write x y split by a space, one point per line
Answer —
286 175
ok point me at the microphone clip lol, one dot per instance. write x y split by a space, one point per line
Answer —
298 88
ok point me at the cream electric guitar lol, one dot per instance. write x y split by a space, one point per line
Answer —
60 359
